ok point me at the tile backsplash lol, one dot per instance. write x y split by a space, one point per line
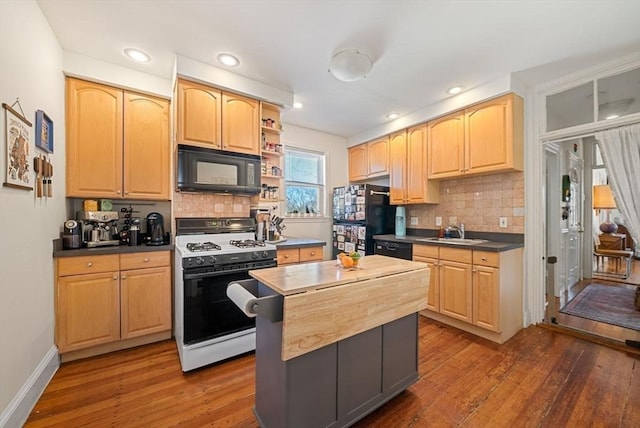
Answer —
210 205
478 202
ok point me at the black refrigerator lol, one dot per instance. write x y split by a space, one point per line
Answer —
359 212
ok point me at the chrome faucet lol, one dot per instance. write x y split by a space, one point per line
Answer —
459 229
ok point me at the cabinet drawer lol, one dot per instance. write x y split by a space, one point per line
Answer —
291 255
456 255
426 251
144 260
486 258
311 254
87 264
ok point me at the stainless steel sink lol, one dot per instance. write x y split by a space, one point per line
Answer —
456 241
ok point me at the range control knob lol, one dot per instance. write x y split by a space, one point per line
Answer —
265 254
199 261
212 259
254 255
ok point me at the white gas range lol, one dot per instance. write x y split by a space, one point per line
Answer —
211 253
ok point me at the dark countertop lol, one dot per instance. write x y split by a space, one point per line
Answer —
300 243
115 249
495 246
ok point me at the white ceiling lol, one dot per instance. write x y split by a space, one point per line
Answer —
419 48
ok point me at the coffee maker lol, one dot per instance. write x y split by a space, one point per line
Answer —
155 229
71 236
98 228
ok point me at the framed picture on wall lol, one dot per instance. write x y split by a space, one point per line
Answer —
18 135
44 131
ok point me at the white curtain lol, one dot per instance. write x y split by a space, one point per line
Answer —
620 148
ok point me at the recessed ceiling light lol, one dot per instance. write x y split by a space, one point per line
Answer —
228 59
298 105
611 116
137 55
454 90
392 115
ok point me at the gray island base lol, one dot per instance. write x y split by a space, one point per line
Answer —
333 344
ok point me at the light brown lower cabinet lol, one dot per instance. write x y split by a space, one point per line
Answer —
476 291
299 255
111 302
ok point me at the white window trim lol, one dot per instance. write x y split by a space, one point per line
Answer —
322 194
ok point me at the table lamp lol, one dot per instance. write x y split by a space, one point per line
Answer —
603 200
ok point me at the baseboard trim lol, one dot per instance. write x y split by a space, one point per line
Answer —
18 410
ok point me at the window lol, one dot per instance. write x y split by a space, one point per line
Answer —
304 181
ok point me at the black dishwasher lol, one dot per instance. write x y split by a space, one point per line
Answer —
399 250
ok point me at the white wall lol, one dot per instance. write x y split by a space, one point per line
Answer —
337 170
31 70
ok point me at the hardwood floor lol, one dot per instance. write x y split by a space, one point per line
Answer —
539 378
599 329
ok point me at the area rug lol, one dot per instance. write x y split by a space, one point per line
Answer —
606 303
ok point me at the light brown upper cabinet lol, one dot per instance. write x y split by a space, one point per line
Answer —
407 173
240 124
484 138
199 115
358 162
209 117
369 160
117 143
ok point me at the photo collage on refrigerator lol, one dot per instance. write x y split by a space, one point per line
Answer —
349 237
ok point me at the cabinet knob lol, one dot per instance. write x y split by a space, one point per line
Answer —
118 192
313 253
126 192
286 256
115 278
89 264
124 276
484 259
146 259
474 271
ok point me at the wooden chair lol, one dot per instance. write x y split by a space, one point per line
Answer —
617 257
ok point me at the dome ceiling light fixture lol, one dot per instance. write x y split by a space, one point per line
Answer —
350 65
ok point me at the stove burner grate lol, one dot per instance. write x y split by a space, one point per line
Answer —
202 246
247 243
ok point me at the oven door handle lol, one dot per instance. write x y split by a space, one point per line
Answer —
243 294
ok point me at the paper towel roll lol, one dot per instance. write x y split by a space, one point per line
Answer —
242 298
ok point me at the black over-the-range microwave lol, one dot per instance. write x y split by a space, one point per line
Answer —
208 170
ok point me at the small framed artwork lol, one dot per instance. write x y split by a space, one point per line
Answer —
18 135
44 131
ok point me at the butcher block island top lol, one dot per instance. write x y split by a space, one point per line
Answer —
294 279
324 303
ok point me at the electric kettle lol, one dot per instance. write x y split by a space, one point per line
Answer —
155 229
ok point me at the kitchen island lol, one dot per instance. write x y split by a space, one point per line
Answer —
336 344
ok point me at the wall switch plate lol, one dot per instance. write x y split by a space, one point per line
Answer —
414 221
438 221
503 222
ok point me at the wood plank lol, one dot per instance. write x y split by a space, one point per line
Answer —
538 378
318 318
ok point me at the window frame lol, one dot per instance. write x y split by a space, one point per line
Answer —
321 186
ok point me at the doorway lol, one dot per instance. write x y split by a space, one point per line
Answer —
570 168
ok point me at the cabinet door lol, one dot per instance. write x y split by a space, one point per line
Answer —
94 140
240 124
378 154
145 301
88 310
433 298
146 147
199 115
288 256
397 168
489 136
486 298
419 189
446 146
358 162
456 290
